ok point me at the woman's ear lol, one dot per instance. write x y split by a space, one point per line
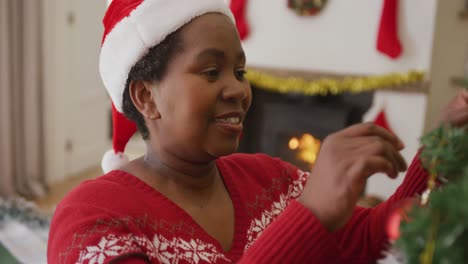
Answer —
142 97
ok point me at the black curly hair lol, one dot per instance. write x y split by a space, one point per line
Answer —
151 67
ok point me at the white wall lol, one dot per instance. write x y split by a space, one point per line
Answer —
76 104
342 39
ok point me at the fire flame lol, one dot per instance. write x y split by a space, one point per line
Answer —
307 146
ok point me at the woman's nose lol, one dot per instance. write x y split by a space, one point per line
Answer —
236 91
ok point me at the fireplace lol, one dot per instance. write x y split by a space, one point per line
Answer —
277 122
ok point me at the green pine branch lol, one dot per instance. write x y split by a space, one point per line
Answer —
450 204
445 151
438 232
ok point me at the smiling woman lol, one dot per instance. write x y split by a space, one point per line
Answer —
190 199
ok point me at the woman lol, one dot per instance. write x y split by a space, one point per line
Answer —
176 68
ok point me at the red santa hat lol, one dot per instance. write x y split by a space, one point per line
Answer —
131 28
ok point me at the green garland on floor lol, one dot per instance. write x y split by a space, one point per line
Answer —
437 232
22 211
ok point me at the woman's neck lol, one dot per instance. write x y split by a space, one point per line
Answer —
173 170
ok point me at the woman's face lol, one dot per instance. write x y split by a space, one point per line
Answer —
203 98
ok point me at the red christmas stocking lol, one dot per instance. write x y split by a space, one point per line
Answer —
239 8
388 41
381 120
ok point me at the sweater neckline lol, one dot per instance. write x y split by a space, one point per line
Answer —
240 221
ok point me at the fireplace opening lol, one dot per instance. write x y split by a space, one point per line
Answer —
277 124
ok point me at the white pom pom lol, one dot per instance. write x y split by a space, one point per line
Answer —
112 161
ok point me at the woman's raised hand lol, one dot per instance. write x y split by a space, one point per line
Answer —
347 158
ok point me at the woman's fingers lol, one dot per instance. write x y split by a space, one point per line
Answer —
458 117
461 99
377 146
456 111
370 129
389 152
365 167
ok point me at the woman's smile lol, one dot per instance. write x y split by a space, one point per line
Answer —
230 123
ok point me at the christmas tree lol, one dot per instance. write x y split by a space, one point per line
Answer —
436 230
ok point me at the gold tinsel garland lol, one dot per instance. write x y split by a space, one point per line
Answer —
327 86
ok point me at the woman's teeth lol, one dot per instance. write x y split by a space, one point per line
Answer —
229 120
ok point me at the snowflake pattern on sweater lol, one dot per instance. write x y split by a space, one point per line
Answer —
258 225
166 251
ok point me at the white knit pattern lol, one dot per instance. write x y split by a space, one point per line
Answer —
166 251
258 225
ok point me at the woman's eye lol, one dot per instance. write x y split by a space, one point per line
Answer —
240 74
211 73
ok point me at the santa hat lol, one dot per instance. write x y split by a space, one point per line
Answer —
131 28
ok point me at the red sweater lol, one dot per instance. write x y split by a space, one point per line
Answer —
119 217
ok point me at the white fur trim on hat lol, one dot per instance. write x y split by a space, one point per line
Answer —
112 161
146 26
